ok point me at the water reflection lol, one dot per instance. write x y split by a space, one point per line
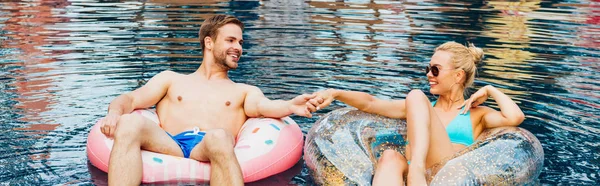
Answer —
365 42
26 32
586 34
511 30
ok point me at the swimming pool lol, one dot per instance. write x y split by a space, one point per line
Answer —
62 62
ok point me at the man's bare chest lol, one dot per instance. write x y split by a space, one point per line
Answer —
206 95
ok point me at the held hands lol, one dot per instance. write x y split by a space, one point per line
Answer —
476 99
108 124
301 105
305 104
324 98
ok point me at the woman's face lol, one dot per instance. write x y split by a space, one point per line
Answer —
445 79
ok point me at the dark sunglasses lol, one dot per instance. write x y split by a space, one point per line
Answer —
434 70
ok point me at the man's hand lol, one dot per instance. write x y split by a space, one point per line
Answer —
108 124
301 106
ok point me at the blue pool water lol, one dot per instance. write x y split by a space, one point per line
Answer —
63 61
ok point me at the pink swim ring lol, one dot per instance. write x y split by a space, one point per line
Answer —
264 147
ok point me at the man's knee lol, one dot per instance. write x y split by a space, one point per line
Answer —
129 126
219 142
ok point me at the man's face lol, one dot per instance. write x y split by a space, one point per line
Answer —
228 46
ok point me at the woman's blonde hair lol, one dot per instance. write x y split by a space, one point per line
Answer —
465 58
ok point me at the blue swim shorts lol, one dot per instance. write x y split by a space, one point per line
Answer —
188 140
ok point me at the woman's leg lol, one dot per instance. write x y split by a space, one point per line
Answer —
390 169
429 141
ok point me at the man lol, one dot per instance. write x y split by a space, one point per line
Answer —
205 104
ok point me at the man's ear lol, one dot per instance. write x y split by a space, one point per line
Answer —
208 43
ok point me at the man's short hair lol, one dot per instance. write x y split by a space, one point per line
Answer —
211 26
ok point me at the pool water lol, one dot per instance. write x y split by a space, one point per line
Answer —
63 61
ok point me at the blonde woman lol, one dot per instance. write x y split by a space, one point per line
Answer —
437 129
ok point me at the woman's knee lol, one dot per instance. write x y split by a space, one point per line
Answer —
416 95
129 126
391 169
393 158
219 142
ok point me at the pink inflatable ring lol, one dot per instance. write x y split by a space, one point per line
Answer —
264 147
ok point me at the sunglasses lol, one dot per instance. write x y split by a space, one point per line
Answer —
434 70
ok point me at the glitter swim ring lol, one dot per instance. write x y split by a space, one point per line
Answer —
343 146
264 147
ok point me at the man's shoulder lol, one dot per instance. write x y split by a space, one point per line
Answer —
166 78
247 87
167 74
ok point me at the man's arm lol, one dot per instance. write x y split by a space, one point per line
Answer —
257 105
144 97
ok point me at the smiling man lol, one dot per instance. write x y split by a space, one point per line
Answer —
200 113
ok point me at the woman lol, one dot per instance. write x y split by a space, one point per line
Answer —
437 129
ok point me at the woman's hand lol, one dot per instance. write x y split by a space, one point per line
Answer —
324 98
475 100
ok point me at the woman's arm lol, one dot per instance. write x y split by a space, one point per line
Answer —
365 102
509 115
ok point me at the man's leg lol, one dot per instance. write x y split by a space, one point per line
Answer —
135 132
217 147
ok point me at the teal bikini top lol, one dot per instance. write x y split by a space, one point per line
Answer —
460 129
